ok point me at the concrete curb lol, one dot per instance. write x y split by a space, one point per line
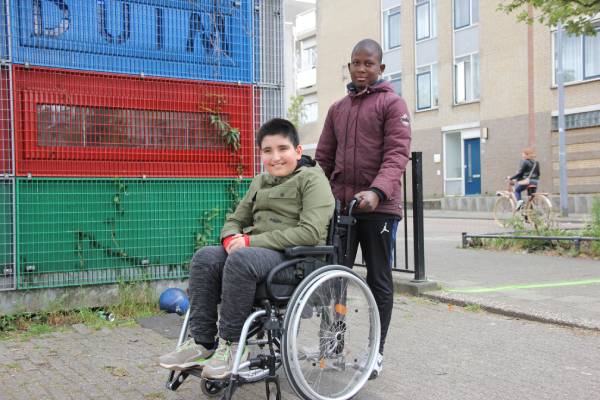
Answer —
404 285
69 298
511 311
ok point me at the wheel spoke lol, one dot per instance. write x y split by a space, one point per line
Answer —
337 341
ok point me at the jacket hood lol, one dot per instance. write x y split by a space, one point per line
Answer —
379 86
306 161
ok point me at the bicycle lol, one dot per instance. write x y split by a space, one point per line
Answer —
536 210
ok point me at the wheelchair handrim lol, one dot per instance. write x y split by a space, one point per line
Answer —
292 322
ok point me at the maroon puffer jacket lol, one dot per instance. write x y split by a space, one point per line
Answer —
365 144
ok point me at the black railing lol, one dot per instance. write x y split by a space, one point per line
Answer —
467 239
417 207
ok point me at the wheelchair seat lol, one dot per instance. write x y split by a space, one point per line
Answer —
313 317
284 279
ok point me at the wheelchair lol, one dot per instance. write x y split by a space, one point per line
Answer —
319 322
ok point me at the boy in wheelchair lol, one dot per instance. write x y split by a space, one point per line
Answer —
289 205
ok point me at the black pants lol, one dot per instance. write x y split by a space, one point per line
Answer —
376 234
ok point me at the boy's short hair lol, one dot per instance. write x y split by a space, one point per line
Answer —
369 45
278 126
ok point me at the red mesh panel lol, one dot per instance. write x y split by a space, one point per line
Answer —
91 124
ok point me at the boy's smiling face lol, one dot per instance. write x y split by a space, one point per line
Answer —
365 68
278 155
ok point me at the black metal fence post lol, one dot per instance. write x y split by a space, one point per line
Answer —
418 237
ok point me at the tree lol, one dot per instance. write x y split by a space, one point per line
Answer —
295 111
574 15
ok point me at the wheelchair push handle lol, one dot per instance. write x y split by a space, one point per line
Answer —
351 205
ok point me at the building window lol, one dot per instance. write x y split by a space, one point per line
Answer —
308 55
391 28
581 57
426 26
423 90
311 112
396 82
466 79
466 12
427 91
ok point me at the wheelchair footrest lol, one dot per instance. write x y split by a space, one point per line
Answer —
176 378
273 380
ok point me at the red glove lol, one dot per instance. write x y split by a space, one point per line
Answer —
225 242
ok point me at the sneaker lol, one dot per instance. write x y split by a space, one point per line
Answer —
378 367
188 355
519 204
221 363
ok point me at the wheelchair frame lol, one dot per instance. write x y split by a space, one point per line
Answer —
270 321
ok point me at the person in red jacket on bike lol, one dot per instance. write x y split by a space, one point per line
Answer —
363 150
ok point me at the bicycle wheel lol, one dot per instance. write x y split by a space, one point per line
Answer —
539 211
329 354
504 210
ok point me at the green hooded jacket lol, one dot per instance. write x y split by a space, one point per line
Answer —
280 212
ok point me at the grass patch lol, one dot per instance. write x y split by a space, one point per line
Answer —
116 371
135 300
13 366
473 308
554 247
593 227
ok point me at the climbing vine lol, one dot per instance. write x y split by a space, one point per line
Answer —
204 235
114 250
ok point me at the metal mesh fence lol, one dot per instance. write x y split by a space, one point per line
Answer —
73 123
7 273
83 231
200 39
6 167
268 45
268 103
4 56
127 132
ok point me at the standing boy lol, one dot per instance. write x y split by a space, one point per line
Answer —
363 150
289 205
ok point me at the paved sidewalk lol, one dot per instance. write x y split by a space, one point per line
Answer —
433 352
562 290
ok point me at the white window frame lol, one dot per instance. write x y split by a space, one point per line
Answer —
466 131
305 48
470 23
472 96
391 77
431 18
306 114
385 26
433 86
445 166
582 39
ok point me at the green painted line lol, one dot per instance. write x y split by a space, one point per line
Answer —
530 286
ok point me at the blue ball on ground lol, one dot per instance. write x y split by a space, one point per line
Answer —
174 300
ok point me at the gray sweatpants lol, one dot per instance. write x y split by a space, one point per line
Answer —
231 279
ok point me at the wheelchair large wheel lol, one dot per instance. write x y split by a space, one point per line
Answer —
331 335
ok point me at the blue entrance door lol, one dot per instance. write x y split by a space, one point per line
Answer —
472 167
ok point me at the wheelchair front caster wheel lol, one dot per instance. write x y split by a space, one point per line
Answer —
212 388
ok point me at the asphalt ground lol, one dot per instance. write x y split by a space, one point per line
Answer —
554 289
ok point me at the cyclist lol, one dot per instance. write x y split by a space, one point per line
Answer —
528 174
